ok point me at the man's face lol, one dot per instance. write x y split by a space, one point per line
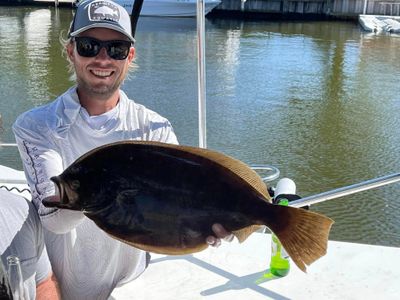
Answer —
99 76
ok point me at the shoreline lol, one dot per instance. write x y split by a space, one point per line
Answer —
216 13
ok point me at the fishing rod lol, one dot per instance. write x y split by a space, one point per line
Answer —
347 190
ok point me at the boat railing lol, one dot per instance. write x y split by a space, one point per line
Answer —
13 183
394 8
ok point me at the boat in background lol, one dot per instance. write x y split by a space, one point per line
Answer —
169 8
380 24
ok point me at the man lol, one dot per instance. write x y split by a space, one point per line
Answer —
21 235
87 262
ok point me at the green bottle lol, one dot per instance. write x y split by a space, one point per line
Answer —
5 289
280 264
280 261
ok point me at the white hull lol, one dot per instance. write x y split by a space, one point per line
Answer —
380 24
14 181
169 8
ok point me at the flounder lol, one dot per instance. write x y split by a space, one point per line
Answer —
165 198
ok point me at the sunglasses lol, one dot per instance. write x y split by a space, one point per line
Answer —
90 47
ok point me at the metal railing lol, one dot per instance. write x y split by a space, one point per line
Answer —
347 190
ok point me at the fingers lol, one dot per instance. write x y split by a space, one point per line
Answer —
213 241
229 238
220 233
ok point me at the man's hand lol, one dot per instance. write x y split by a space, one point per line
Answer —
220 234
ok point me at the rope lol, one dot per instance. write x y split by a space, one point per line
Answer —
14 188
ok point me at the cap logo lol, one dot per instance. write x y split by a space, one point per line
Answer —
103 10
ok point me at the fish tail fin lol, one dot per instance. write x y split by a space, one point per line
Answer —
303 234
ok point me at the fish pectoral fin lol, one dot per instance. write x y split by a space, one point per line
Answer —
244 233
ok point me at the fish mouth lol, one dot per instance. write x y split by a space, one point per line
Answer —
52 201
57 200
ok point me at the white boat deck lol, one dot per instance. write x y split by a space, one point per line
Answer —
14 181
236 271
380 24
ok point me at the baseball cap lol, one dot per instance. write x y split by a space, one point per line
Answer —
101 14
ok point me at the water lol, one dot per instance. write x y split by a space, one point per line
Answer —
318 100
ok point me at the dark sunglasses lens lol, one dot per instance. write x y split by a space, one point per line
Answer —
87 47
118 49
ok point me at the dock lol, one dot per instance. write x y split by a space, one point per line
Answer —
56 2
276 9
306 9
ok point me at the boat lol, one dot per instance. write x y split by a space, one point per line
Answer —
169 8
380 24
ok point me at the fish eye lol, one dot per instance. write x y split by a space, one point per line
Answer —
75 184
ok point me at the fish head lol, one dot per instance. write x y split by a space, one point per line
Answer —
77 188
67 194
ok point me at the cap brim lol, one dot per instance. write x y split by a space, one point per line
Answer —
103 25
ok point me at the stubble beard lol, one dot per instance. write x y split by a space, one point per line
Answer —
99 91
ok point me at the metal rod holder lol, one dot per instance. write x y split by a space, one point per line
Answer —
347 190
274 172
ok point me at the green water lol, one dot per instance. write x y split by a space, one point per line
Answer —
318 100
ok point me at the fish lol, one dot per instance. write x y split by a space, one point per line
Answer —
164 198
